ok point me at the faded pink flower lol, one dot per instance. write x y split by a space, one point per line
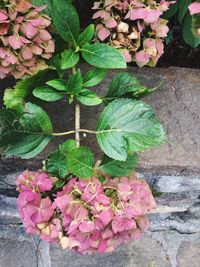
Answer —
125 24
24 35
85 216
194 8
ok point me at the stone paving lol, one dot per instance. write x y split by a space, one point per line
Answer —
174 170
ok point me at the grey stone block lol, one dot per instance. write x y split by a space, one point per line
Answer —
17 254
136 254
188 255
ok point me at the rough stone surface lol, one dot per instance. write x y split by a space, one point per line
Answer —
17 254
137 254
188 255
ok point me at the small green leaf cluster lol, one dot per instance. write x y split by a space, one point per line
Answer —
126 126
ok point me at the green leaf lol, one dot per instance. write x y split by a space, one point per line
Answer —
188 35
47 94
86 35
89 98
57 84
13 101
26 135
125 85
121 84
56 163
81 161
127 126
118 168
68 146
24 87
75 83
94 77
103 56
183 9
66 21
69 59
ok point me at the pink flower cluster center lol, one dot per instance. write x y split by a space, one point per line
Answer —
86 215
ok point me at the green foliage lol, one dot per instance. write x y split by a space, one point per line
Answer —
66 21
57 84
47 94
188 35
94 77
103 56
128 126
118 168
89 98
87 35
69 59
125 127
14 98
68 158
56 163
81 162
127 86
189 24
24 135
183 9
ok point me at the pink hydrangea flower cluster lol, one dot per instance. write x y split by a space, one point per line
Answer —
135 27
85 215
25 42
194 9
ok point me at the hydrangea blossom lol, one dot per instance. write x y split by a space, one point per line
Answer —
135 27
25 42
85 215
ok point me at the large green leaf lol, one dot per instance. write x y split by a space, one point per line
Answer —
94 77
66 21
103 56
188 35
86 35
126 85
128 126
75 83
119 168
47 94
183 9
69 59
89 98
57 84
81 161
56 163
26 135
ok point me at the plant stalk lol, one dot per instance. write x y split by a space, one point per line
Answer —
77 124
